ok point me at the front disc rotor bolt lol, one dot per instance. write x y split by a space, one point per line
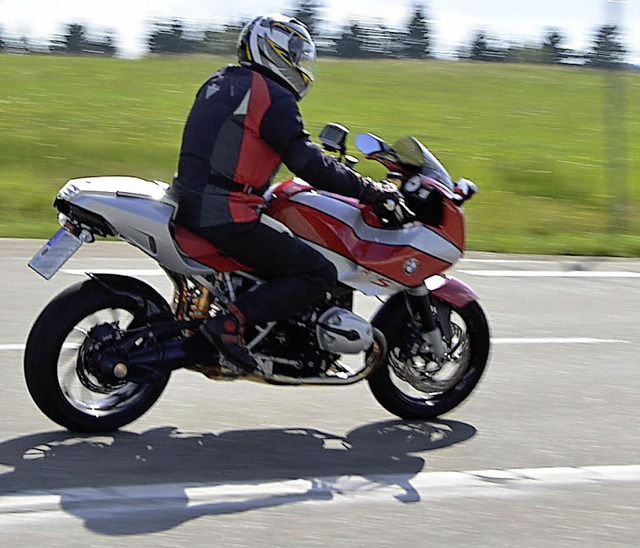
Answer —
120 371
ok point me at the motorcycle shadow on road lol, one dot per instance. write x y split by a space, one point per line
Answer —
168 462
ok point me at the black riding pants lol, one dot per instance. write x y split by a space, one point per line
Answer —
296 274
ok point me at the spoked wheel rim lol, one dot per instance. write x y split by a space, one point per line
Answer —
79 386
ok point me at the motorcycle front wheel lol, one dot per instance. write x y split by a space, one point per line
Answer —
58 374
410 384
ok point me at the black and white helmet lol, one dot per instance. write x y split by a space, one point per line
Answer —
283 47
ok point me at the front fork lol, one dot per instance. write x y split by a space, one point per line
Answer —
419 304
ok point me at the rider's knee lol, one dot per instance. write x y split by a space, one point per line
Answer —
327 276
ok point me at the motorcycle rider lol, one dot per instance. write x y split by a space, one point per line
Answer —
243 124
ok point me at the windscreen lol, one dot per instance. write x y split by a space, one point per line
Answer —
412 152
431 165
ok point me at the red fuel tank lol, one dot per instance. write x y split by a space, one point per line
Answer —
346 232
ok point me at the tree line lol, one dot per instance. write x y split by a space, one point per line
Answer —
76 40
606 50
354 40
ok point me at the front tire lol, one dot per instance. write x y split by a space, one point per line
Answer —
433 396
57 378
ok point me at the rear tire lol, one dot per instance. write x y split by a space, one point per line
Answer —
56 378
402 399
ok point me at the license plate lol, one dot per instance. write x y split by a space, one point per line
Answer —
55 253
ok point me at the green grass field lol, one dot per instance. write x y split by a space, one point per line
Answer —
532 137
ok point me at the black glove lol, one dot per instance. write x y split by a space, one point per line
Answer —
388 204
392 214
374 193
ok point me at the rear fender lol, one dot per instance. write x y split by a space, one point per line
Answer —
146 297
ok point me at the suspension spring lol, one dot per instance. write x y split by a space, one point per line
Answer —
199 303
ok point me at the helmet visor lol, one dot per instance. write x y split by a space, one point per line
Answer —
303 55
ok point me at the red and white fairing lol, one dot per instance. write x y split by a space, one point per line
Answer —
368 257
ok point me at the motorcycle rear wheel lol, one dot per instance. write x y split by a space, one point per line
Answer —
60 384
436 396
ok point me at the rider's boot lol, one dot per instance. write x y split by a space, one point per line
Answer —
225 333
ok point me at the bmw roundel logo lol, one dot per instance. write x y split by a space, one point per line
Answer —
411 266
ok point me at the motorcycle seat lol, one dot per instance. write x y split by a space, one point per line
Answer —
199 249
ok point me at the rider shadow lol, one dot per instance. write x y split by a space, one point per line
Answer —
168 462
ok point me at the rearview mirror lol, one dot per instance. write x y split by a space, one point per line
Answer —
369 144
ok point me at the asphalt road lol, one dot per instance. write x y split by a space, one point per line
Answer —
544 453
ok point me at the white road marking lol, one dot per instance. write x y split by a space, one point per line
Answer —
496 340
245 496
550 274
11 347
556 340
21 346
484 273
121 271
510 261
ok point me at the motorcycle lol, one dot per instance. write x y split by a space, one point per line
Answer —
102 351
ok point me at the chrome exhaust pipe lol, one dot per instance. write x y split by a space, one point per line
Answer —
376 355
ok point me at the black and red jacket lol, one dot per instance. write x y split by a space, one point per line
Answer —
241 127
